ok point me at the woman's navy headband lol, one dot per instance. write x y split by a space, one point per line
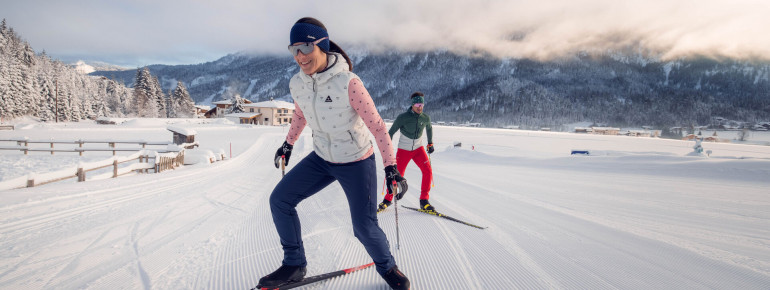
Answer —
306 32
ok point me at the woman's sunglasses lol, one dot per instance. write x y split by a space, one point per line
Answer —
419 105
304 47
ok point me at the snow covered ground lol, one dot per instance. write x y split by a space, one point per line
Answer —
638 213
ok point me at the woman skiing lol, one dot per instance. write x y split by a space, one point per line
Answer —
332 101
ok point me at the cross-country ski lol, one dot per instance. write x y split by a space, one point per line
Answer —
314 279
441 215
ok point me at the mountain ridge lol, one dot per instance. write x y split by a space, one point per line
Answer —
621 88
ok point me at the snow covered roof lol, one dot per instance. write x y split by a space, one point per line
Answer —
272 104
229 102
180 130
243 115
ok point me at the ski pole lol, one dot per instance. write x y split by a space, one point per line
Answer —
430 163
283 165
395 193
384 187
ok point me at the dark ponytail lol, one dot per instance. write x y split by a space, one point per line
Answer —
333 47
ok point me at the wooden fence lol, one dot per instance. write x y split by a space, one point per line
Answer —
166 161
23 144
161 162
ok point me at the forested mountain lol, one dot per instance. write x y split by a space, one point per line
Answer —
612 88
35 85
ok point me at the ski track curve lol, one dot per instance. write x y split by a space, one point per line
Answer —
141 254
186 229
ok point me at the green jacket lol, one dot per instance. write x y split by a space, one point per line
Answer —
411 125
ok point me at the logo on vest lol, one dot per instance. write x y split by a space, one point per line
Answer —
328 99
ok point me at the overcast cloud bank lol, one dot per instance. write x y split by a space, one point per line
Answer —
176 32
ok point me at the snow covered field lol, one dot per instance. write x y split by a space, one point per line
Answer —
638 213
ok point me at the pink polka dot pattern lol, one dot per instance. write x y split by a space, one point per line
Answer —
298 123
362 102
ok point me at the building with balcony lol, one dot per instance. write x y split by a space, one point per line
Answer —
273 113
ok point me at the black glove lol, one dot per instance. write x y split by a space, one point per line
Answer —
284 151
430 148
391 174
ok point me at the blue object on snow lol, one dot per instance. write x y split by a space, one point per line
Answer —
584 152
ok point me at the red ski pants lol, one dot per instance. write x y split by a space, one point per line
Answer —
420 158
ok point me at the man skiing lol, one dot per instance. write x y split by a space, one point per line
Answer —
411 124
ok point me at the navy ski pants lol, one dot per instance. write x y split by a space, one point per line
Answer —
359 182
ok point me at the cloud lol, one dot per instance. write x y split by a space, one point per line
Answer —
176 31
550 28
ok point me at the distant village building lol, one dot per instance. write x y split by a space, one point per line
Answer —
273 113
212 113
699 128
201 110
762 126
243 118
583 130
605 131
221 108
712 138
638 133
677 130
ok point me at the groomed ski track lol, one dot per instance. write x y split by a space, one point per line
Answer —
210 228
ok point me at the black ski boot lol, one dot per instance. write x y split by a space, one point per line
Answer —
396 279
383 205
425 205
284 274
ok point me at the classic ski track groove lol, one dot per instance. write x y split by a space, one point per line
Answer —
232 242
521 199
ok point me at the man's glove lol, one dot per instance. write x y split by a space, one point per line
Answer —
391 174
430 148
284 151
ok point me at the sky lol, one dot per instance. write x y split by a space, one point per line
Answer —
143 32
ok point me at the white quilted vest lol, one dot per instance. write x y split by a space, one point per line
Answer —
339 134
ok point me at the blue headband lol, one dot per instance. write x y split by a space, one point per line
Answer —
306 32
